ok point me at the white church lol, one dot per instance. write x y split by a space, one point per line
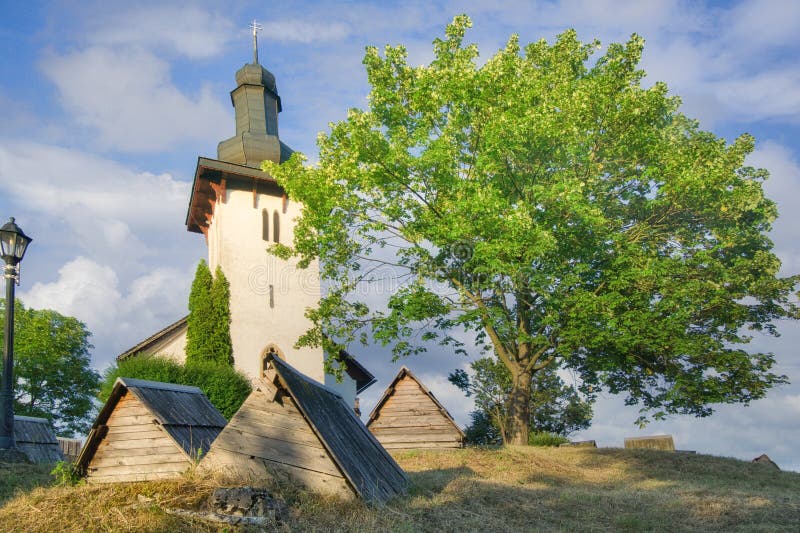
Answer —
241 210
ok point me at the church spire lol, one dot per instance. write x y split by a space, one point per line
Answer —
257 104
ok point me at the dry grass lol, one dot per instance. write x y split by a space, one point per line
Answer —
524 489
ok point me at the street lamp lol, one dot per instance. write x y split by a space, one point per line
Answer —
13 243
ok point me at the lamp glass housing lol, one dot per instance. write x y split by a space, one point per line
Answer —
13 243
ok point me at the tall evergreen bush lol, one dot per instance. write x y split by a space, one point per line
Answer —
220 340
200 323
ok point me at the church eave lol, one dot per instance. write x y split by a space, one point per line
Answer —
357 372
211 179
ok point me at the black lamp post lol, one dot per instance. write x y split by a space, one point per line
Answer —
13 243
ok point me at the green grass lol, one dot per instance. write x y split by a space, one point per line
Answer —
511 489
543 438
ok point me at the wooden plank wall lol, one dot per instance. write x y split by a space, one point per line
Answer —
264 436
135 448
71 448
410 419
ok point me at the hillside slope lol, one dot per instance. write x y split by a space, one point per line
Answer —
518 489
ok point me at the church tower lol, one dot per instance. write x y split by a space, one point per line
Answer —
242 211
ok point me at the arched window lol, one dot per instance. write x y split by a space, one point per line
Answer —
276 227
265 224
270 352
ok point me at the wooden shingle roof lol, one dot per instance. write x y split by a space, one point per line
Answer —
35 437
367 466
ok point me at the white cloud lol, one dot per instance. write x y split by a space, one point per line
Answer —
118 314
189 31
108 208
772 94
758 24
127 96
84 289
783 187
304 31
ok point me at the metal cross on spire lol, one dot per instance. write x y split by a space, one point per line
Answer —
256 28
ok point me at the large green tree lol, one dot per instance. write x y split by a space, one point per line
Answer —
557 206
52 368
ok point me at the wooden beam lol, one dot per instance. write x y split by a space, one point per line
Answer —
219 190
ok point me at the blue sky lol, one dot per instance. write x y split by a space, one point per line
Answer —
106 106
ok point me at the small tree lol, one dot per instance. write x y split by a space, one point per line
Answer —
200 323
52 369
220 338
555 407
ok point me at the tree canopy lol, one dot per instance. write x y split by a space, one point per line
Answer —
558 207
52 369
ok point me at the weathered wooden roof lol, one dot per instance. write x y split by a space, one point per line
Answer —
405 372
172 329
367 466
35 437
184 412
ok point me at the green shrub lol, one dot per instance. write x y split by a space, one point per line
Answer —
65 475
224 386
141 367
544 438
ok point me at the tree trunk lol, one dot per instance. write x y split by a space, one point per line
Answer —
519 413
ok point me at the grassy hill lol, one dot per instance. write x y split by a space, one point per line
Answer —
517 489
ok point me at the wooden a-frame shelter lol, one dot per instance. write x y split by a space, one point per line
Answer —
292 426
148 430
408 416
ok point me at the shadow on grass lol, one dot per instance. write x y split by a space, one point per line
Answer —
600 490
435 481
16 478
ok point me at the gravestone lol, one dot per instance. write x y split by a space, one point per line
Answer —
655 442
579 444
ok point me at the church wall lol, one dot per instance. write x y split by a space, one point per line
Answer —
269 296
173 347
